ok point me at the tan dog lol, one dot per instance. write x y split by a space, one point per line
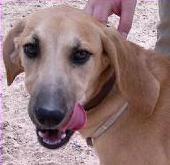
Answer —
72 61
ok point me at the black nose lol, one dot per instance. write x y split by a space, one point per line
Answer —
49 117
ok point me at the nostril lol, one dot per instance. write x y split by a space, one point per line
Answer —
49 117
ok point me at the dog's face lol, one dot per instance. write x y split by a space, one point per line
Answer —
62 55
67 57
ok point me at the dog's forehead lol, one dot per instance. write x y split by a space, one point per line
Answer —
58 19
59 15
63 25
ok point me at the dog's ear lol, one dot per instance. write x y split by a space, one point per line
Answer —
11 53
133 76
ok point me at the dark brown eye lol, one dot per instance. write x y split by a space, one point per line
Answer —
31 50
80 57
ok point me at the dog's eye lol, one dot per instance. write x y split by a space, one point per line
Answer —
31 49
80 57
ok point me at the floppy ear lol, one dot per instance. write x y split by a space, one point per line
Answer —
134 78
11 53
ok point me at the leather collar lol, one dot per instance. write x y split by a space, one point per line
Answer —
101 95
112 119
103 127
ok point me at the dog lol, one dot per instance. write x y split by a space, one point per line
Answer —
83 76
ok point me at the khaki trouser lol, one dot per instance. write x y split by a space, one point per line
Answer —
163 42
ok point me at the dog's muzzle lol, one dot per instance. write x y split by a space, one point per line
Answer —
55 123
55 138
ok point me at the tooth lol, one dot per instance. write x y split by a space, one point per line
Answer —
48 141
51 142
40 134
63 136
58 141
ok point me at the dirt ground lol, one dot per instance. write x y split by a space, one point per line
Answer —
20 146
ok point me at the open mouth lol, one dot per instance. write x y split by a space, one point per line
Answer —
53 139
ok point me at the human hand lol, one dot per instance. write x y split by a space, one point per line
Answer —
102 9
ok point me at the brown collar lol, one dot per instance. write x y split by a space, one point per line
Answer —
101 95
112 119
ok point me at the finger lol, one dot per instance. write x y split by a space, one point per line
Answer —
102 13
126 18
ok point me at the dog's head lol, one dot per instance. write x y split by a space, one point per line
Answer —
67 57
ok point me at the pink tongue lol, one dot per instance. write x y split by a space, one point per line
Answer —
77 120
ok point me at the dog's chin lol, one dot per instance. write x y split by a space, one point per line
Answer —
53 139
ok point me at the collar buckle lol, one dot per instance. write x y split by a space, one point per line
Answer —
90 141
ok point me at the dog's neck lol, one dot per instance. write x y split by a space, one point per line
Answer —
110 105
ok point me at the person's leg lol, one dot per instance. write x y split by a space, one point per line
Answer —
163 41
